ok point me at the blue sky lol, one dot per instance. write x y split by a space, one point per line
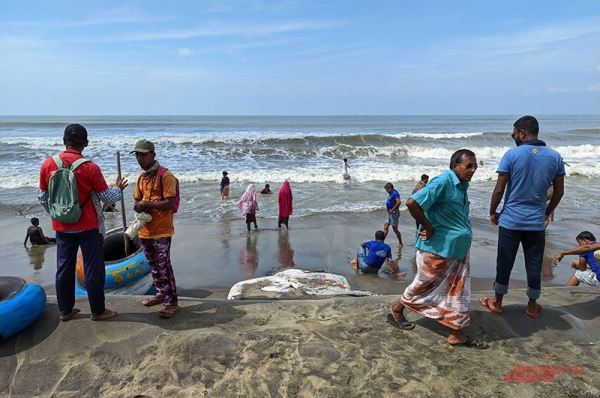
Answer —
299 57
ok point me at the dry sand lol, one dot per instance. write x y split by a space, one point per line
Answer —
339 347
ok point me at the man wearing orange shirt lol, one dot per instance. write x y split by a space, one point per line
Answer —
156 194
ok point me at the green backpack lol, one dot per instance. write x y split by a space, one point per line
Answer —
63 197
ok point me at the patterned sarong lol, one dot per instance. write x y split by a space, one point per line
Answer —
441 290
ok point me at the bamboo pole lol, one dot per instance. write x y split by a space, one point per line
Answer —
123 215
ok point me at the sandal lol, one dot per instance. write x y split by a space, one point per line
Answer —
471 342
487 303
105 315
67 317
536 314
168 311
402 324
149 302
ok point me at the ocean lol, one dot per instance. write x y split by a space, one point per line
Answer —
306 150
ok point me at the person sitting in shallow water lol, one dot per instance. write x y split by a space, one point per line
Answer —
35 234
373 254
266 190
586 267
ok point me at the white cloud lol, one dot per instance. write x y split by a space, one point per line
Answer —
217 30
594 87
185 52
559 90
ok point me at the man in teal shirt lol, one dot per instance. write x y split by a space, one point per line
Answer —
441 289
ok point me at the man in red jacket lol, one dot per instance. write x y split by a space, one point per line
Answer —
86 232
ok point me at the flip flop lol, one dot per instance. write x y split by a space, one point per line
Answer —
149 302
472 342
67 317
401 324
486 302
535 314
168 311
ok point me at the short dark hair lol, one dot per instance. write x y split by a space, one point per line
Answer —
224 173
75 135
529 124
267 186
379 235
458 155
35 221
424 177
586 235
388 185
345 159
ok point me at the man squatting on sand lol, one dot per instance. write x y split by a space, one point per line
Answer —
525 173
156 193
372 254
87 232
441 289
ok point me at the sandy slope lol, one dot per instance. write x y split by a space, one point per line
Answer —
332 348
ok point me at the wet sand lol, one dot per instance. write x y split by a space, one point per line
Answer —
209 258
339 347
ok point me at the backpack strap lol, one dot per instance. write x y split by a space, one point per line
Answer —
161 174
78 163
58 161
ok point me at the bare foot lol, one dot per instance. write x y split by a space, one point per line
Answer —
354 265
105 315
67 317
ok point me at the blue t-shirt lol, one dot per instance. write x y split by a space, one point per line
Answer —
591 261
531 168
391 202
377 252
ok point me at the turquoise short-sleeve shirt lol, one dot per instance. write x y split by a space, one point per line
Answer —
446 205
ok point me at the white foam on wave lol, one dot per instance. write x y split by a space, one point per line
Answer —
242 136
435 136
327 175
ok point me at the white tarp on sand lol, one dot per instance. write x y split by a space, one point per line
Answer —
293 283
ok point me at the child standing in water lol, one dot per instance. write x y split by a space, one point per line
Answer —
249 206
225 186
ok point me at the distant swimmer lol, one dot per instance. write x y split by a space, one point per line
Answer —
224 186
346 174
36 236
266 190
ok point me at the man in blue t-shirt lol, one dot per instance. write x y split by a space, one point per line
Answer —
373 254
524 175
393 208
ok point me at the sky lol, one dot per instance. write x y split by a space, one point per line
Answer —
294 57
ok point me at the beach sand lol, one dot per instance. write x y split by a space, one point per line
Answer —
208 258
338 347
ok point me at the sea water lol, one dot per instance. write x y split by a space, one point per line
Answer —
306 150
